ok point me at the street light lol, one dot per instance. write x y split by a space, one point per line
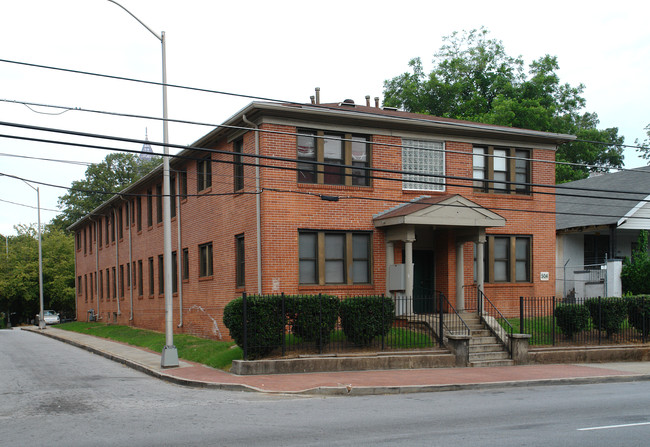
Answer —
169 357
41 322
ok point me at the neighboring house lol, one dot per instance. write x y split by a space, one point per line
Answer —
328 209
598 223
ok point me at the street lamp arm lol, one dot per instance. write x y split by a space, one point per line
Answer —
139 21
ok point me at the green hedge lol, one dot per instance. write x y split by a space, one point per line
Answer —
612 313
313 317
571 318
638 313
366 317
264 320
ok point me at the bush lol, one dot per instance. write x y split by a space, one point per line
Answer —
313 317
366 317
635 274
264 321
612 313
638 313
571 318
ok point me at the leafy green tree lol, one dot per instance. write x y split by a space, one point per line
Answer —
19 284
115 172
474 79
644 147
635 273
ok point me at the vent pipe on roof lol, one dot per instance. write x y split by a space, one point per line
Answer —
317 95
367 100
313 100
377 101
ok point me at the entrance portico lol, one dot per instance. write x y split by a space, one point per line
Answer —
429 224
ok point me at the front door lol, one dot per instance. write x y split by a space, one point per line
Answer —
423 282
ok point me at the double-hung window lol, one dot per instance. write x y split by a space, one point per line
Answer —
501 170
204 174
240 261
507 259
238 166
205 259
334 257
423 165
345 158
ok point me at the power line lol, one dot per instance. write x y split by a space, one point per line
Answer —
450 121
295 161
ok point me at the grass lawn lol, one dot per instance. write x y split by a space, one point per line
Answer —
217 354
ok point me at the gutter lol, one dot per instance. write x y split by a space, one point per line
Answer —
258 204
130 269
179 251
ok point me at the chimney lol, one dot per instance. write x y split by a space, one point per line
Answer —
317 95
313 101
367 100
377 101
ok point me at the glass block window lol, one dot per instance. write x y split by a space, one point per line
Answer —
423 163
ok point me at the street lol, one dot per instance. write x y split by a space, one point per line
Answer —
57 395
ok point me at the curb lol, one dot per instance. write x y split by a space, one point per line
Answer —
356 390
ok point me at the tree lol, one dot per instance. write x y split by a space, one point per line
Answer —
635 274
475 79
644 147
115 172
19 284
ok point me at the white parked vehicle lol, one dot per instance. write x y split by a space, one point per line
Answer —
50 317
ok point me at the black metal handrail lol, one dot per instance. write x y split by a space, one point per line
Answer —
492 311
455 324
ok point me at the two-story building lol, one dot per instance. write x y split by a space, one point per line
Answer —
338 198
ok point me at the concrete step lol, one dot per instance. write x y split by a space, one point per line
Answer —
480 333
488 340
484 356
488 363
496 347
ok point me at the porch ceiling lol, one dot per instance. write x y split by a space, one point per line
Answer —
450 210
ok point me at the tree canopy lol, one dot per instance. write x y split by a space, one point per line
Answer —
115 172
474 79
19 285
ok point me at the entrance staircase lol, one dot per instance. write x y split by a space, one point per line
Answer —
484 348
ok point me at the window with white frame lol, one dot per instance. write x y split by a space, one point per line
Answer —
423 164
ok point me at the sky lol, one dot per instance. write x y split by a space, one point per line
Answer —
280 50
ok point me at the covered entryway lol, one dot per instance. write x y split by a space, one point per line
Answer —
432 232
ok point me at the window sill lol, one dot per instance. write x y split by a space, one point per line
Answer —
318 287
205 191
327 187
509 196
206 278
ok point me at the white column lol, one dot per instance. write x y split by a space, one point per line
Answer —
408 261
460 277
480 267
390 260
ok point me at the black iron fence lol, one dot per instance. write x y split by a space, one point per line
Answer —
593 321
281 325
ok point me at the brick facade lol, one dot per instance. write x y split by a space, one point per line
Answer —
217 215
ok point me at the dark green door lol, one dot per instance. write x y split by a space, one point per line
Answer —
423 281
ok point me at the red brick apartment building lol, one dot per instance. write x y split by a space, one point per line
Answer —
335 198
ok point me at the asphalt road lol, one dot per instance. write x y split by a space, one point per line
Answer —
55 394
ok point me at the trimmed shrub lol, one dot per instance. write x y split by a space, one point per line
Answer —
571 318
264 321
612 313
638 313
313 317
365 317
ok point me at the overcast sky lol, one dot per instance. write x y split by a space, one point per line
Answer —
279 49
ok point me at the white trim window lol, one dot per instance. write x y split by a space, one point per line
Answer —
423 163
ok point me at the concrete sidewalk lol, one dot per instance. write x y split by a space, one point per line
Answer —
355 382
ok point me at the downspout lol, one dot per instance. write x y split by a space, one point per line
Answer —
117 262
179 251
96 264
130 269
258 205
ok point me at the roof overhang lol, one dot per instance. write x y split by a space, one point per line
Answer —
442 211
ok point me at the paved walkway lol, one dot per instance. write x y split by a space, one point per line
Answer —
355 382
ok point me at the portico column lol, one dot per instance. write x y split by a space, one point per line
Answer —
390 260
408 261
480 269
460 277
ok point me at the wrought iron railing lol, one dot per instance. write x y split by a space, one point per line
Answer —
495 320
451 321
